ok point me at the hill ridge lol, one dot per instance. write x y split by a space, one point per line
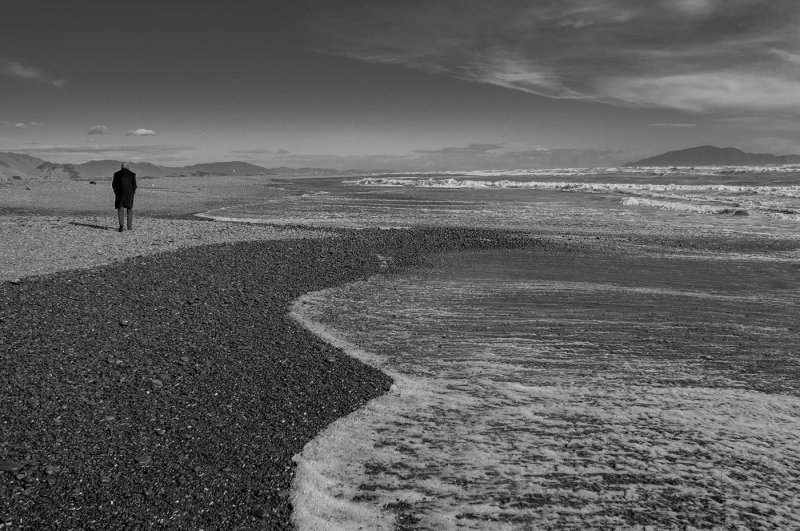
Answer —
708 155
21 166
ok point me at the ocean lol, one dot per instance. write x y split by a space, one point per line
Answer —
640 370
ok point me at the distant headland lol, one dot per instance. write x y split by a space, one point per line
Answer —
714 156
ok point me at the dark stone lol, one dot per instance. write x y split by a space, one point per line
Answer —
143 459
10 466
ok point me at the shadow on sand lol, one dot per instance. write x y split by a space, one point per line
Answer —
101 227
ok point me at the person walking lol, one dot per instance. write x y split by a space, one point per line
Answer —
124 185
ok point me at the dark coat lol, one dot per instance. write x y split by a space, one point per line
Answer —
124 185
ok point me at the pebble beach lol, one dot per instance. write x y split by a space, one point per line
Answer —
174 375
154 378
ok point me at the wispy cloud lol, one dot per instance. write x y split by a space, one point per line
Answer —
772 144
26 125
672 125
471 157
16 69
98 130
140 132
705 56
472 149
707 91
256 151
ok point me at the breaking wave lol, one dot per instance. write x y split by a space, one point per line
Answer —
564 186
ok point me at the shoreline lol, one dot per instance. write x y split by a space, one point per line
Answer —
173 388
168 385
374 469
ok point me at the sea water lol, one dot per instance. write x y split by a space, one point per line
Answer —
594 385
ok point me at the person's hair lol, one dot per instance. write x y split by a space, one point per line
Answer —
125 165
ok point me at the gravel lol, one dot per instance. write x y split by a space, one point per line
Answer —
173 389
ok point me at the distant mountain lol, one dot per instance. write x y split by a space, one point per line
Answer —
23 167
225 168
18 166
98 170
714 156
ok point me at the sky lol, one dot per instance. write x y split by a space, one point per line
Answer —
404 85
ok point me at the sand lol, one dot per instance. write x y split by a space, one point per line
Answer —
50 226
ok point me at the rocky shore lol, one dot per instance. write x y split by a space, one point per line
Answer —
173 389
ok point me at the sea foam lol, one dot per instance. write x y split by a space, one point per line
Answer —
513 415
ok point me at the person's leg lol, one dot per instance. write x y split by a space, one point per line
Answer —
121 217
130 219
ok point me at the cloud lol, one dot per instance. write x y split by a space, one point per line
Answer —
703 56
671 125
257 151
472 149
786 56
694 7
98 130
24 125
771 144
707 91
18 70
140 132
456 158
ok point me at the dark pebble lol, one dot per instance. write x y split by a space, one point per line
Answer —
258 512
143 459
10 466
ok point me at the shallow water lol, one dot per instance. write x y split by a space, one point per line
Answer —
765 203
604 385
542 391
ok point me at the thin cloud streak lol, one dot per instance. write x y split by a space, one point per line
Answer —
471 157
673 54
671 125
141 132
15 69
256 151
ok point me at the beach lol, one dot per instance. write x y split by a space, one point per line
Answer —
153 377
157 377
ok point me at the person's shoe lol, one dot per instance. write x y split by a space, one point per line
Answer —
120 229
